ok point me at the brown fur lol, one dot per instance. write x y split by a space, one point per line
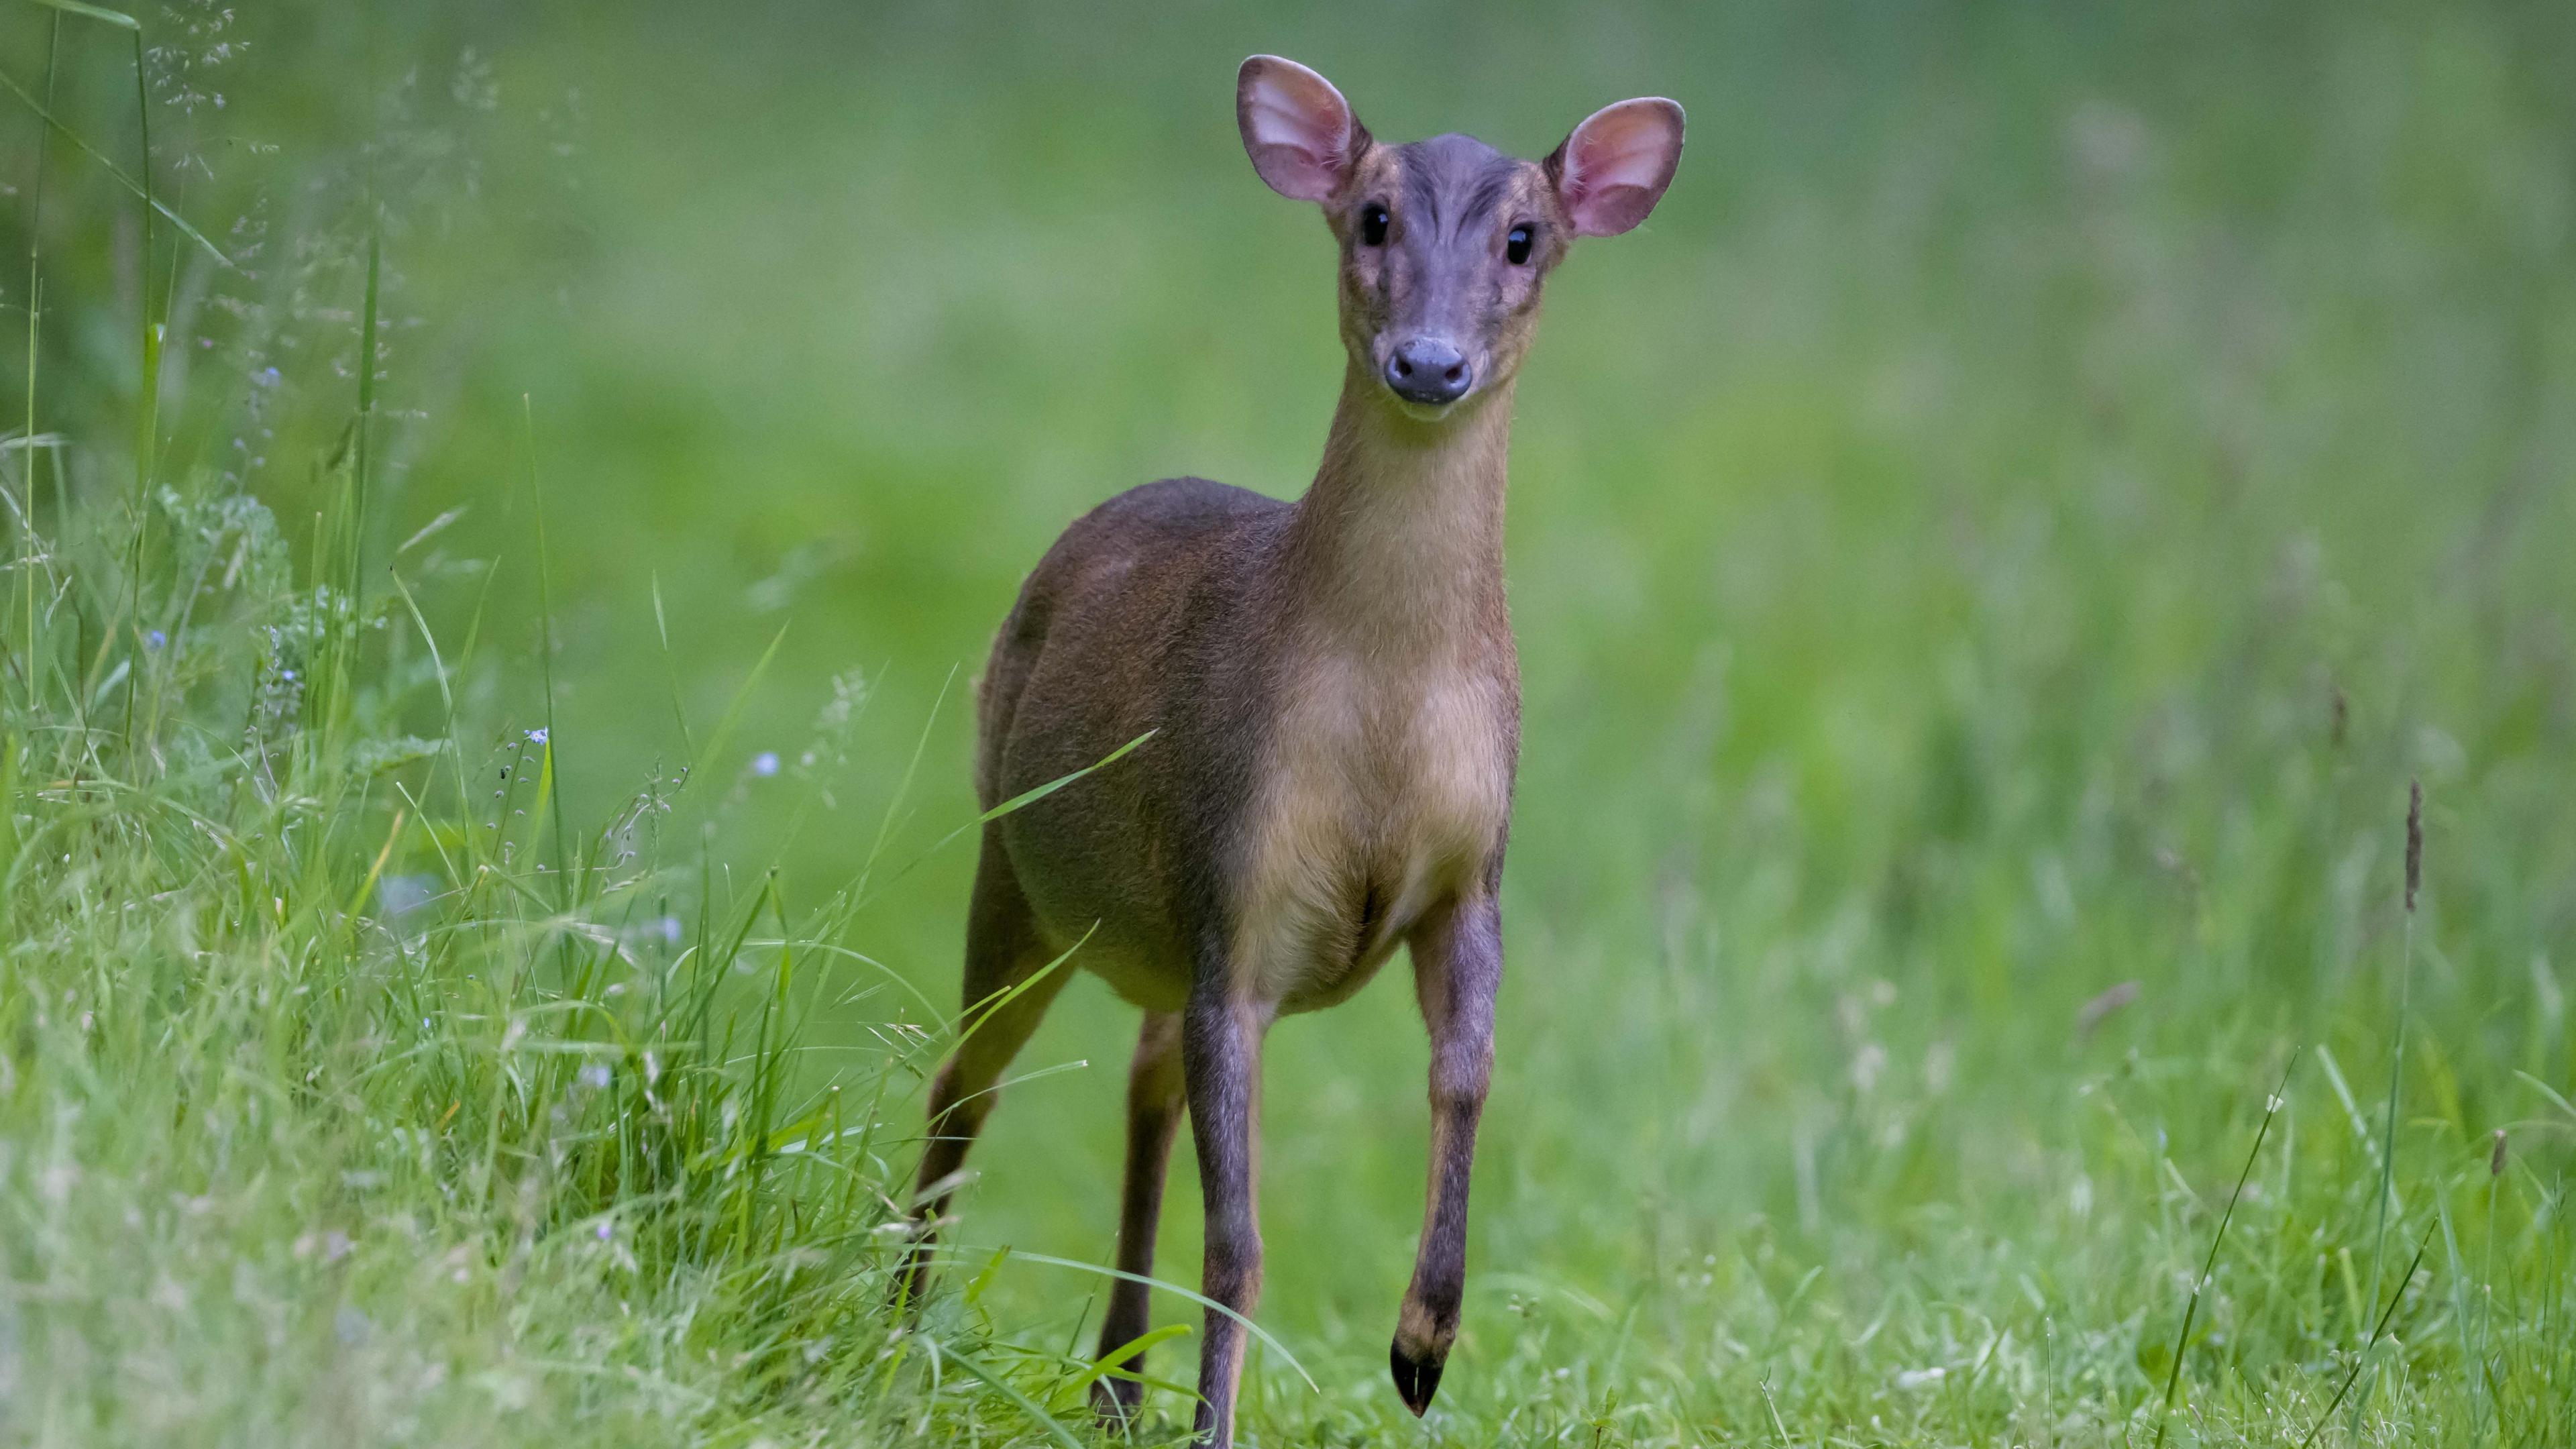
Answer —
1334 700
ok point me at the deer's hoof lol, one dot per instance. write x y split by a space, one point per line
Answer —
1416 1379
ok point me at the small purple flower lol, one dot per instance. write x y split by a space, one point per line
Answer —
765 764
265 377
671 930
155 639
606 1230
536 737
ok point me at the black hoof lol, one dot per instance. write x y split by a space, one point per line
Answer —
1415 1379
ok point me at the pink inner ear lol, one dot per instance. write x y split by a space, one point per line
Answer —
1296 127
1618 163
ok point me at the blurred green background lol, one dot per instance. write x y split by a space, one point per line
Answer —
2011 524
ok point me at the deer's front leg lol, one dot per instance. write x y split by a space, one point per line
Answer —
1457 967
1221 1059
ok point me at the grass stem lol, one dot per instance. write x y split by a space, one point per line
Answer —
545 643
2396 1056
31 679
2377 1329
2182 1340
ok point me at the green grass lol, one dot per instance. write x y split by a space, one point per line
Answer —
2013 524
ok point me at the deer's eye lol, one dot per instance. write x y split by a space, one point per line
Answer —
1373 225
1516 247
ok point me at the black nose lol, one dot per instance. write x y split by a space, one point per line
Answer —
1427 371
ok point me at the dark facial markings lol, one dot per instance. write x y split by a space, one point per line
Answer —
1431 196
1452 183
1493 187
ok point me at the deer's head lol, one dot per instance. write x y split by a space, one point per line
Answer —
1447 242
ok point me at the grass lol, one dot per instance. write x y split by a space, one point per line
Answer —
344 1104
2013 525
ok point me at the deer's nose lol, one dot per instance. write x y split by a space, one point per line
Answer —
1426 370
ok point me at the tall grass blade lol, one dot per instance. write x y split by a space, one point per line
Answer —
2493 1413
1026 1405
1255 1329
356 545
147 428
545 646
1111 1362
147 410
117 18
722 734
115 172
2396 1057
2182 1340
1017 802
903 786
2363 1357
32 667
671 671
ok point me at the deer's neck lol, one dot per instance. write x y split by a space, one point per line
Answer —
1397 549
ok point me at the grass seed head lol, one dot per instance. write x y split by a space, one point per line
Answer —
2414 841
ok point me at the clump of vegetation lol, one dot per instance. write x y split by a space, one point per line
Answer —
349 1092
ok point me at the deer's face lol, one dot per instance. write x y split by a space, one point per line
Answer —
1444 246
1445 243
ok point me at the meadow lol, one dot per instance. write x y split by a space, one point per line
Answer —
487 721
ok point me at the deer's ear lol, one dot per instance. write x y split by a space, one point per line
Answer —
1615 166
1298 130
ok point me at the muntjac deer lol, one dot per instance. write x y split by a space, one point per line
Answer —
1334 701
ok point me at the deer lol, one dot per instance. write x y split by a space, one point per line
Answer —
1329 695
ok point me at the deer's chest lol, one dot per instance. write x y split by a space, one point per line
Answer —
1380 795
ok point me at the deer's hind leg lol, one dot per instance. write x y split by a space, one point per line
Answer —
1156 1091
1002 1007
